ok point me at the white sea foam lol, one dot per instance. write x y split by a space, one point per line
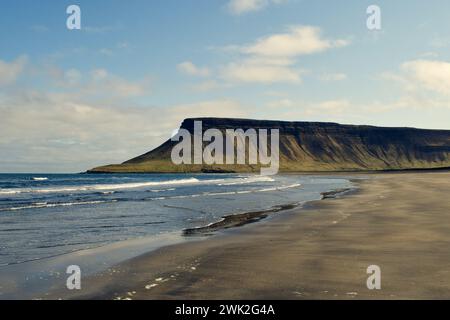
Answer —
268 189
219 193
208 194
247 180
159 198
135 185
163 190
9 191
52 205
295 185
39 178
108 186
179 197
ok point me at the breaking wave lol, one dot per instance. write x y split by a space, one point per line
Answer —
106 186
52 205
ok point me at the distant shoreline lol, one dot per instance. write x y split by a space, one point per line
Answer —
285 172
229 172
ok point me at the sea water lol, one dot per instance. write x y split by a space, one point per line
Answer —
47 215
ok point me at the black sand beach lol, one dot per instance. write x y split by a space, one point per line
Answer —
398 221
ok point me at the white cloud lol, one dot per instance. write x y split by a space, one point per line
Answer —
334 110
9 72
424 84
64 132
330 106
299 40
239 7
273 58
100 83
243 6
283 103
431 74
102 80
89 120
191 69
270 59
214 108
249 71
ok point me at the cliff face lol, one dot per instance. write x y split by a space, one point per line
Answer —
313 146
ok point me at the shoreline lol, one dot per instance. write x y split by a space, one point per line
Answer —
228 226
356 171
233 225
242 219
399 222
237 220
40 277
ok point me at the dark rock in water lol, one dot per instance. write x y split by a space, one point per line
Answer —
334 193
237 220
315 146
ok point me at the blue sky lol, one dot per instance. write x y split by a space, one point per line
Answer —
75 99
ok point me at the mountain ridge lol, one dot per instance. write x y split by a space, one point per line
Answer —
313 146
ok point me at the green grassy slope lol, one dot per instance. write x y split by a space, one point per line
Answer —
308 146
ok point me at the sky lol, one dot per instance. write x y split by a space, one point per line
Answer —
71 100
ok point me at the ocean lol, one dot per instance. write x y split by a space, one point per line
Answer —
48 215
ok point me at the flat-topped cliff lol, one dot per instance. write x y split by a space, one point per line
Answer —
315 146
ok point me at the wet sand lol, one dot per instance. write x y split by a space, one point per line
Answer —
398 221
